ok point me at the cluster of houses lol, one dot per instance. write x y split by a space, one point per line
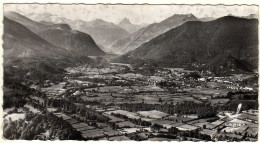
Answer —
243 127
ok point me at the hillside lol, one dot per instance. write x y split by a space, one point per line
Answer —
151 31
28 55
19 41
228 43
60 35
34 26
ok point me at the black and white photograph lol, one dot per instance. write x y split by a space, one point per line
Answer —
130 72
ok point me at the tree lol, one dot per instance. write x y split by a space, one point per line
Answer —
156 127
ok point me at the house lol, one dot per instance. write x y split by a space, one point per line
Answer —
191 116
252 132
92 134
241 129
248 117
208 133
125 124
236 123
248 88
202 79
251 112
251 139
214 125
228 137
164 123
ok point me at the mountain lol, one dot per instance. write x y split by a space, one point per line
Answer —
251 16
19 41
151 31
128 26
26 52
60 35
63 36
226 44
34 26
104 33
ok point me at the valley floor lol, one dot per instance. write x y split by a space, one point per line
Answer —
115 102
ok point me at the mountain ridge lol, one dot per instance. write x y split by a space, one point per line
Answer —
60 35
201 42
98 29
149 32
27 55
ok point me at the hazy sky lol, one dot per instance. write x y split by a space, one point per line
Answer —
135 13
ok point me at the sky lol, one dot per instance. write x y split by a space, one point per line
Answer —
137 14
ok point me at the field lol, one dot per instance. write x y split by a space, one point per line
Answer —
219 101
152 114
15 116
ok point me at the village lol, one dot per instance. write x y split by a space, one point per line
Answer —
173 104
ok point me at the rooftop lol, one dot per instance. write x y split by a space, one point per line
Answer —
208 132
244 116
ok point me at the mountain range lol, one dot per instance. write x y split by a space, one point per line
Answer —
228 43
60 35
45 47
151 31
39 51
20 42
104 33
27 55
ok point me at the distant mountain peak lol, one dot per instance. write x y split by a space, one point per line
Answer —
191 15
97 20
177 17
125 21
251 16
128 26
62 26
230 17
149 32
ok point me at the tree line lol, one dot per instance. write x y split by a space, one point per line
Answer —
203 110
